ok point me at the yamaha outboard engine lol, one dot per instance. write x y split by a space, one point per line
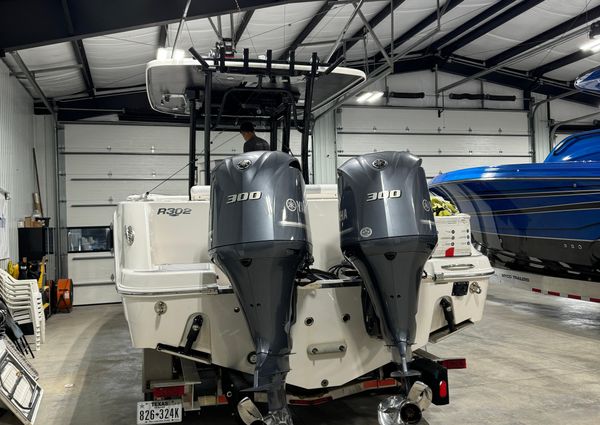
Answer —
388 233
259 238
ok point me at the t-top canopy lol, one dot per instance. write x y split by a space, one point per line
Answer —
168 80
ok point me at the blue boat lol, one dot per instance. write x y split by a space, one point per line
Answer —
543 218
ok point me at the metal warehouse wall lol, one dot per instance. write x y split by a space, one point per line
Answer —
16 143
104 163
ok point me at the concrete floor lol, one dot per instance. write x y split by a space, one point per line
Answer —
534 359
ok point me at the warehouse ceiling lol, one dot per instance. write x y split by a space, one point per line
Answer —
91 54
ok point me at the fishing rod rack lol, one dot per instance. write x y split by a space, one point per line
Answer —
267 73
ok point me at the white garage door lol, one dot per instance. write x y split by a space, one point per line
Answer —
449 141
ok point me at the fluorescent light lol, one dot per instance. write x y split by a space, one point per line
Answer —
364 97
375 96
590 45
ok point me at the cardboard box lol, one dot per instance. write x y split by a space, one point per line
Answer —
32 222
454 236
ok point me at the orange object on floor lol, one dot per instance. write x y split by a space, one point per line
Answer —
64 295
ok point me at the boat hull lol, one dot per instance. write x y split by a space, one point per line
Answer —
543 218
163 293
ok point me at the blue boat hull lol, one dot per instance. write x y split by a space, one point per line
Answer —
535 217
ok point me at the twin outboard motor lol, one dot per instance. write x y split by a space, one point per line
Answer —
259 237
388 233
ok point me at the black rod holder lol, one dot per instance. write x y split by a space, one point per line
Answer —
287 126
207 117
269 60
273 127
222 59
292 62
246 60
310 83
192 148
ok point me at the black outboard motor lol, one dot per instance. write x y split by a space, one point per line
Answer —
388 233
259 237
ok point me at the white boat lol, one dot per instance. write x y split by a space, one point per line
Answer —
182 308
165 279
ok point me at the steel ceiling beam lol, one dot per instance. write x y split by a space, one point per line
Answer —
312 24
469 25
519 80
35 72
385 69
532 51
85 66
490 25
216 30
560 62
420 26
32 23
342 34
505 77
375 38
556 31
78 49
376 20
327 42
242 27
31 79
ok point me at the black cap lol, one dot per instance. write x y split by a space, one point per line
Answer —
247 126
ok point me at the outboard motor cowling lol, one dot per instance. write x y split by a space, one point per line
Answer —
259 237
388 233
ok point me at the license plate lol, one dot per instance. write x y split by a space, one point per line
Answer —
159 412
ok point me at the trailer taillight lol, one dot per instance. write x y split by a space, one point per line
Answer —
443 389
454 363
166 392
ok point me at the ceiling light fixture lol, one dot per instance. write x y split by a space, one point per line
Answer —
594 35
590 45
363 97
375 96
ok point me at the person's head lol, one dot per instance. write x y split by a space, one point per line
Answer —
247 130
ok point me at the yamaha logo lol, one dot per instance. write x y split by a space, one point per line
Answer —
426 205
244 164
129 235
294 205
380 164
366 232
291 205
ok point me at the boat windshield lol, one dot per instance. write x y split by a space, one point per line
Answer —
578 147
